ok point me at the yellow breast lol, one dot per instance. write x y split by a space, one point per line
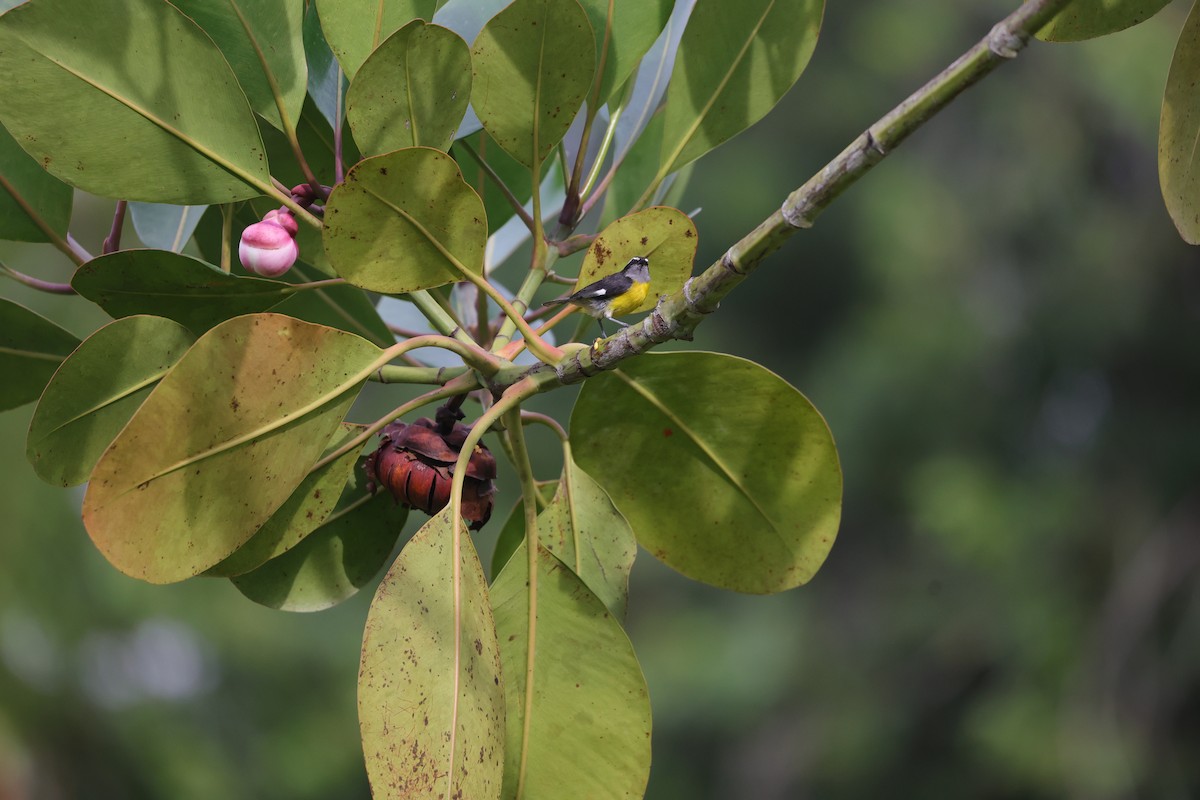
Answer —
628 302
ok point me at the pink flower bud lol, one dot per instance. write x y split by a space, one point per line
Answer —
268 247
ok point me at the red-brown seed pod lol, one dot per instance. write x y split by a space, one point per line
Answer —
416 464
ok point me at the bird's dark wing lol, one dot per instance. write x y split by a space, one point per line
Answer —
608 286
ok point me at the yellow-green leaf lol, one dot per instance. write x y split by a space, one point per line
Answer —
430 697
221 443
405 221
533 65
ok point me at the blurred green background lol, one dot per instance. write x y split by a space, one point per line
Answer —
999 323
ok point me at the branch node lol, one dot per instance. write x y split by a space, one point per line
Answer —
728 263
1003 42
873 143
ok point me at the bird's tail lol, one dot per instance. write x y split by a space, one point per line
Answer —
562 301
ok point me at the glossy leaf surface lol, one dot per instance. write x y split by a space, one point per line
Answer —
221 443
412 91
1087 19
533 65
307 509
175 286
401 221
333 562
354 28
632 28
736 59
430 699
588 723
725 472
26 191
166 119
1178 132
95 392
31 349
262 40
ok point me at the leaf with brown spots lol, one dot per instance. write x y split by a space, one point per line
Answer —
430 701
664 235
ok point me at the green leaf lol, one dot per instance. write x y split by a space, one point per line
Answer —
584 529
333 562
513 532
736 60
165 227
726 473
221 443
515 175
345 307
1178 131
174 286
166 119
533 65
306 510
31 349
587 726
1087 19
401 221
354 28
95 392
664 235
634 26
412 91
27 190
262 40
430 700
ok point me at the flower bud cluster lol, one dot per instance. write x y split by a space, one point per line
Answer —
268 248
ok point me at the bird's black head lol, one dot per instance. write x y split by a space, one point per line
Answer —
638 269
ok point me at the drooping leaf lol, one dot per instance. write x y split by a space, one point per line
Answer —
221 442
513 532
95 392
664 235
354 28
262 40
412 91
165 227
400 221
632 28
736 60
31 349
26 189
307 509
1178 131
515 176
174 286
333 562
725 472
1087 19
166 119
583 529
533 65
588 724
430 699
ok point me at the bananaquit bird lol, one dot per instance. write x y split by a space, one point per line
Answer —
613 295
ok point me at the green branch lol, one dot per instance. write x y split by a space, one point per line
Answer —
678 315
